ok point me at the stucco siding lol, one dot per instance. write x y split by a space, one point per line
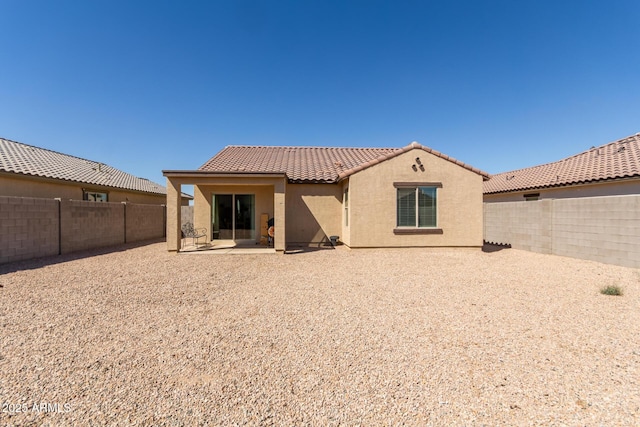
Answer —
345 236
612 188
313 213
131 197
48 188
372 198
13 187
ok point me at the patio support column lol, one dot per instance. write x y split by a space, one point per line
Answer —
279 190
174 203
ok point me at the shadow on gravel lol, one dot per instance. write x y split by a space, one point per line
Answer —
36 263
490 247
293 250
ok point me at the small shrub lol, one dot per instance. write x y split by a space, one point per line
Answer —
611 290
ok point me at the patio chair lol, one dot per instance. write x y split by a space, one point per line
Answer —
188 231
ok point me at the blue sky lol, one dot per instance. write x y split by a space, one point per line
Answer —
150 85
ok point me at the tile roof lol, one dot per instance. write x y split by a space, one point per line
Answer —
615 160
309 164
24 159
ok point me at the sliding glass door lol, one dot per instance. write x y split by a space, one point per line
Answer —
234 217
222 217
244 217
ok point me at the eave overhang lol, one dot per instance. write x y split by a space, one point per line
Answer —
41 178
202 174
566 184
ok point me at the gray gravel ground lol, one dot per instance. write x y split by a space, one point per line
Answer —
332 337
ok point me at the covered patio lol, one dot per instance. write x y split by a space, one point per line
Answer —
231 206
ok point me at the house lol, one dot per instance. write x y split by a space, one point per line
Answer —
28 171
367 197
609 170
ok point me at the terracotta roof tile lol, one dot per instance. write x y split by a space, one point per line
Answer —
24 159
615 160
308 164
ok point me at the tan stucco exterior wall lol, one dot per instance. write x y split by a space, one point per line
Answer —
146 199
202 211
345 236
45 188
313 213
14 187
612 188
372 203
174 214
270 198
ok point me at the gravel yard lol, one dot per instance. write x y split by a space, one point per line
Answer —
329 337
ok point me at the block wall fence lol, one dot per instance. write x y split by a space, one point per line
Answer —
34 228
186 215
604 229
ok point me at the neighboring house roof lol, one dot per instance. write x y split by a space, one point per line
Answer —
24 159
615 160
309 164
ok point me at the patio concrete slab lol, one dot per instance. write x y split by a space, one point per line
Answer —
219 247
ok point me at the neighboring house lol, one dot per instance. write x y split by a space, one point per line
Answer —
28 171
609 170
369 197
585 206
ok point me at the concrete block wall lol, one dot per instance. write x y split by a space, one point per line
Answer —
186 215
604 229
34 227
28 228
525 223
90 225
144 222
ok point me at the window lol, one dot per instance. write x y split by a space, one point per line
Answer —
416 206
94 196
532 197
346 206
